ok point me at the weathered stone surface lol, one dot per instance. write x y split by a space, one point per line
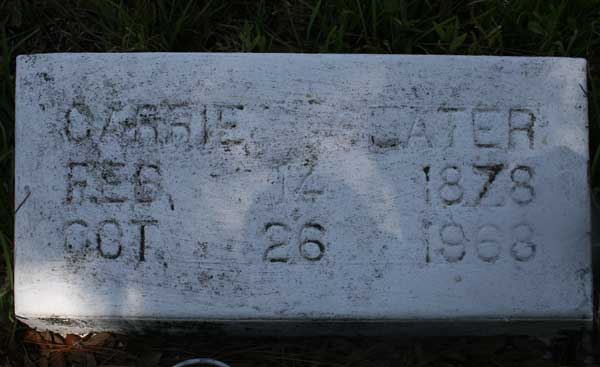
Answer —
293 187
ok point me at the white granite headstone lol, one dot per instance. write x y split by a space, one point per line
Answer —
291 187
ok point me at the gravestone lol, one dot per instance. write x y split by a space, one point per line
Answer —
299 190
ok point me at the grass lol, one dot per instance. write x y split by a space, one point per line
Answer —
474 27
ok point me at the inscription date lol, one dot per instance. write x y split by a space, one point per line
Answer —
485 185
110 182
489 241
308 241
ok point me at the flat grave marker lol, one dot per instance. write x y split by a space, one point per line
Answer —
255 188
